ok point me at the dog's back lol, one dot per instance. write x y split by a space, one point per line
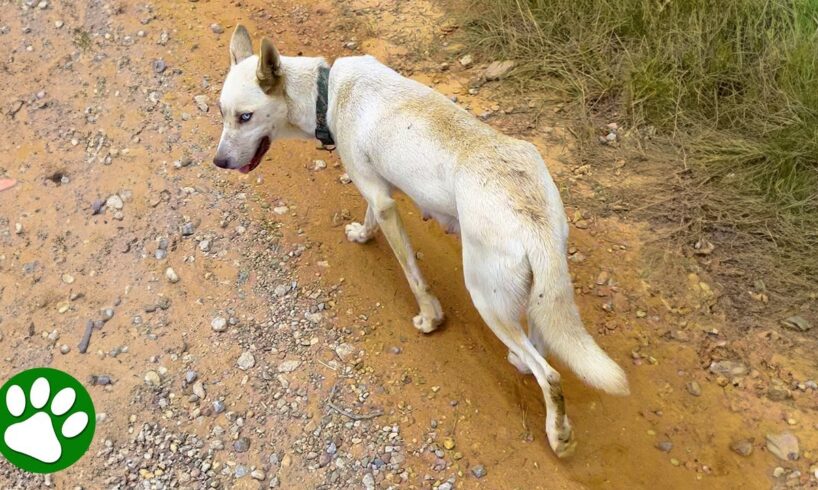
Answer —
434 151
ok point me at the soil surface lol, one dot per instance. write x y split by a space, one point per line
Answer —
242 342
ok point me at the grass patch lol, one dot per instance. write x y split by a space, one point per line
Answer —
732 83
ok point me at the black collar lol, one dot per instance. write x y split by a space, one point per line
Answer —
322 132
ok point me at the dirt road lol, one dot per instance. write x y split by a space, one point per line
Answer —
246 344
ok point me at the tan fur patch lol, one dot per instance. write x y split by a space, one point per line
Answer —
503 162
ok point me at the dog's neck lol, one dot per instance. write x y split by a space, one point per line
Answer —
301 93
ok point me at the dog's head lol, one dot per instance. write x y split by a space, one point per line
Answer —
252 103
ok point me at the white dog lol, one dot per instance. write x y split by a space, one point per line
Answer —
395 133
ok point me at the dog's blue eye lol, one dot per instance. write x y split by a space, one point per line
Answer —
246 117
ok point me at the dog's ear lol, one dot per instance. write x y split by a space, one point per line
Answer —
268 71
240 45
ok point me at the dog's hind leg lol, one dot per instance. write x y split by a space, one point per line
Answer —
518 363
362 233
535 336
383 211
498 285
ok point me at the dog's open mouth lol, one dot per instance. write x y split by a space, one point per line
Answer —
263 146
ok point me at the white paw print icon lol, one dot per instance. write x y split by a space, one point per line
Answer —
36 436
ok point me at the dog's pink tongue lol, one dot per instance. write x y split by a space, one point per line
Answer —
246 169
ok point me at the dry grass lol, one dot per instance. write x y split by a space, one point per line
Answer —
731 84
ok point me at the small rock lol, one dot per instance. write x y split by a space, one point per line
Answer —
152 378
204 245
96 206
184 162
171 275
448 443
344 351
201 102
241 445
498 70
694 389
188 229
743 447
783 445
191 376
288 366
664 446
344 179
107 314
368 481
114 201
159 66
218 406
466 61
281 210
216 28
778 393
479 471
797 323
246 361
198 390
258 475
219 324
728 368
101 380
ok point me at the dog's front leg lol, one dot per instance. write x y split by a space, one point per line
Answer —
362 233
386 213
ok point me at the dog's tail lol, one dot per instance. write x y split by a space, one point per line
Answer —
552 311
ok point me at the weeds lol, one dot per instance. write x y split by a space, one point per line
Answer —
733 83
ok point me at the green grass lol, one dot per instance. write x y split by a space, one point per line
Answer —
734 83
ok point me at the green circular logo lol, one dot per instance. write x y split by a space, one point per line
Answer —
47 420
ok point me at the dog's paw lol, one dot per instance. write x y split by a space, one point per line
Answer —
357 232
426 324
562 440
518 363
430 316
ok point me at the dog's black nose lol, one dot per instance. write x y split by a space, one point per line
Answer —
221 162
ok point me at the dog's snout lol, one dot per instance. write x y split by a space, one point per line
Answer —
221 162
